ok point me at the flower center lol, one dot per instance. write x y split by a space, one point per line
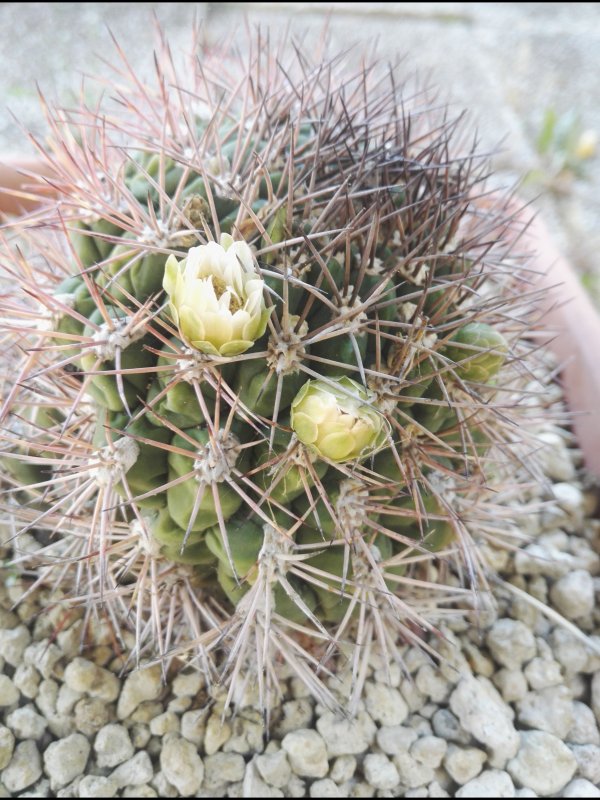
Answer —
220 288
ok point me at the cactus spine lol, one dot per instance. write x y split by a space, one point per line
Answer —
279 367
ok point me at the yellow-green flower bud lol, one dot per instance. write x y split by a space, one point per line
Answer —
336 420
478 350
216 297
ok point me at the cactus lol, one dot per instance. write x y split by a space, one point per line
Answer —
278 370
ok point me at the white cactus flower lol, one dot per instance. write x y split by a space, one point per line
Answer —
216 297
335 419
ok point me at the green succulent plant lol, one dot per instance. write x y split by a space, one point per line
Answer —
266 386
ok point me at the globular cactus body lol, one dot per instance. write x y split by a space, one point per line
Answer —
275 324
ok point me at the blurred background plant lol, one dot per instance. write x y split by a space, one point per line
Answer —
565 147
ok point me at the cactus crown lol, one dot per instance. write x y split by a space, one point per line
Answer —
280 362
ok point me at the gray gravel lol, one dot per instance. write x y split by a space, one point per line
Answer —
513 711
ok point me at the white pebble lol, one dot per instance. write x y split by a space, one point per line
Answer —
573 594
584 729
216 734
7 746
390 674
140 735
40 789
543 763
26 723
112 746
464 763
555 459
27 680
84 676
584 557
24 769
588 761
593 649
596 695
96 786
481 663
429 750
549 710
139 791
396 739
44 656
91 714
193 725
568 497
570 651
274 768
412 773
181 765
420 725
13 643
162 786
543 672
511 683
485 716
431 683
491 783
65 759
412 696
187 684
435 790
179 704
380 772
343 769
247 734
139 687
168 722
223 768
134 772
324 788
511 643
346 737
580 788
385 704
67 699
447 726
146 711
9 694
539 559
307 753
295 714
254 786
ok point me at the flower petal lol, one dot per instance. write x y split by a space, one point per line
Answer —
218 328
305 427
172 270
190 324
337 446
235 347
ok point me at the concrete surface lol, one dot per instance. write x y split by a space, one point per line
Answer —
508 63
